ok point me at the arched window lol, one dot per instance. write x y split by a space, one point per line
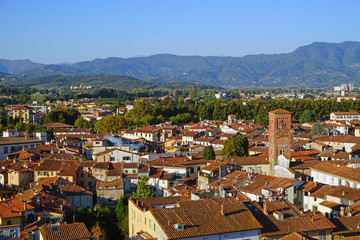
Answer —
282 125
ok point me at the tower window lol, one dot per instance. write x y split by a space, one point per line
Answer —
282 126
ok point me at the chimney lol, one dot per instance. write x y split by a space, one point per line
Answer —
348 211
314 210
265 207
24 206
342 211
222 212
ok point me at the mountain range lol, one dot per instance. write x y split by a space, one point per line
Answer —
316 65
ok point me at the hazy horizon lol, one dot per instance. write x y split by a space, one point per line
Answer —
53 32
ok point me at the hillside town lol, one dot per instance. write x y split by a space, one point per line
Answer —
231 179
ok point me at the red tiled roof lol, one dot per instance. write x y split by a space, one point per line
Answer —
280 111
70 231
203 217
57 125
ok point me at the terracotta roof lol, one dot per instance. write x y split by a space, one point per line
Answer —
280 111
176 161
338 170
352 194
115 183
64 167
105 152
62 156
293 220
247 160
321 191
346 113
344 139
130 165
150 203
213 166
296 236
327 153
218 142
204 139
332 205
57 125
74 190
22 155
341 156
304 165
13 208
87 163
21 107
308 186
50 165
190 134
355 209
261 181
230 179
18 140
102 165
346 225
203 217
28 229
304 158
70 231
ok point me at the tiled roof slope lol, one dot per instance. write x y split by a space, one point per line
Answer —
293 220
71 231
203 217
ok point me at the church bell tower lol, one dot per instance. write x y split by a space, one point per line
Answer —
279 136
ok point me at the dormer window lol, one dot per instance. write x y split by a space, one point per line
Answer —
179 226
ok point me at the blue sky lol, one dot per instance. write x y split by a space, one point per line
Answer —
55 31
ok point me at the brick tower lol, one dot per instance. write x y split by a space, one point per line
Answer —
279 136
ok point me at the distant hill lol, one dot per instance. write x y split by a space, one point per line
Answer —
17 66
315 65
5 77
100 81
51 70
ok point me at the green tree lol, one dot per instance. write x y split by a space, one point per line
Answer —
209 153
262 118
82 123
103 217
307 116
318 129
63 115
122 215
143 189
192 93
49 134
181 118
236 147
111 124
20 125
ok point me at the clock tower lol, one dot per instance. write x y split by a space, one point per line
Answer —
279 136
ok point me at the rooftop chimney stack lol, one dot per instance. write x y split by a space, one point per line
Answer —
222 212
342 211
265 207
